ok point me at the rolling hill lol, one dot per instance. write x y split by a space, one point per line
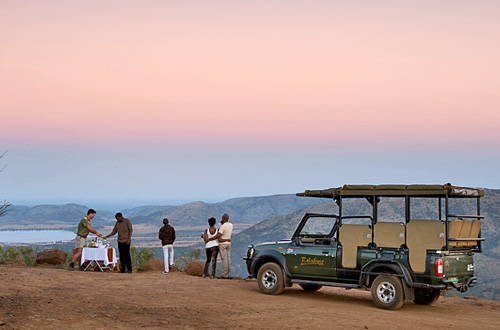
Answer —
243 210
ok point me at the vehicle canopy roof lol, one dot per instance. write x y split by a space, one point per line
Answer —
395 190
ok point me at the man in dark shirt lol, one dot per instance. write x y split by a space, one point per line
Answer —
167 237
123 227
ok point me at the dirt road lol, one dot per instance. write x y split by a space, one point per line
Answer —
47 298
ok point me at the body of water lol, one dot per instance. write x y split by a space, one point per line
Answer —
35 236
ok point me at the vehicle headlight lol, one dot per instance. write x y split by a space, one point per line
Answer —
251 251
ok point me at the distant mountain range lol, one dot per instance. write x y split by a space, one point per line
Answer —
267 218
47 217
244 210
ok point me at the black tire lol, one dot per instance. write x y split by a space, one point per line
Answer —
270 278
426 297
387 292
310 287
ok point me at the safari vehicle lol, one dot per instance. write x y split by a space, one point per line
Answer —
413 259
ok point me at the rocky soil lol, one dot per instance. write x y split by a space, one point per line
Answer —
54 298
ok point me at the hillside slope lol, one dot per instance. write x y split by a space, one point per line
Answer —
243 210
51 217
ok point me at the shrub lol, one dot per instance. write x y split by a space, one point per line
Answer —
140 257
9 254
188 257
69 257
28 254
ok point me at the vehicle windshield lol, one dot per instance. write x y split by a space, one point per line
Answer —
318 226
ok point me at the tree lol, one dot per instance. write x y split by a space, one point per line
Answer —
5 206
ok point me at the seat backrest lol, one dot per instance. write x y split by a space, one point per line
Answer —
466 227
352 236
423 235
307 240
389 234
454 227
474 232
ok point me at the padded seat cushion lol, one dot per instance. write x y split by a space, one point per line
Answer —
351 237
423 235
474 232
389 234
454 226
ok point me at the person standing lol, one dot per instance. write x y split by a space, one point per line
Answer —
167 237
224 237
82 232
211 247
123 227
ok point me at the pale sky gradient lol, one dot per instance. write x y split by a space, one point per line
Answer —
178 100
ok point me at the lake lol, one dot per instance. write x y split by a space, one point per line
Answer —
35 236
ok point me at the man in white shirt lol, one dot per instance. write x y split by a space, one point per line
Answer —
224 237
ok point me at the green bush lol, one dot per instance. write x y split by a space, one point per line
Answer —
11 254
188 257
28 254
69 257
140 257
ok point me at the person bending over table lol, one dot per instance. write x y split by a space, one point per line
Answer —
83 231
123 227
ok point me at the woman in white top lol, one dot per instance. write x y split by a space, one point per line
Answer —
211 247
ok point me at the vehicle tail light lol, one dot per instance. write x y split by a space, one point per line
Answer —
439 267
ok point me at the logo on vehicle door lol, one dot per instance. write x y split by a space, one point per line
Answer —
307 261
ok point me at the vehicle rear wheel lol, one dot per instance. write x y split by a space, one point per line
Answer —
310 287
387 292
426 297
270 278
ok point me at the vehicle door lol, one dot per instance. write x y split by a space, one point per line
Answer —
313 250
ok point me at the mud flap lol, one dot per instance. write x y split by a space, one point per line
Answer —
409 292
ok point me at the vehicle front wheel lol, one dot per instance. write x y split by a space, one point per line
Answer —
270 278
426 297
310 287
387 292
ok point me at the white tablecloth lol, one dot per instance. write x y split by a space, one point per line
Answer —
98 254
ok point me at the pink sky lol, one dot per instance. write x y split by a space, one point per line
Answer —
261 97
253 72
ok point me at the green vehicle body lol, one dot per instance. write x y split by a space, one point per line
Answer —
412 260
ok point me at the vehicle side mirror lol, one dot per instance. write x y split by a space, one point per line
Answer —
297 241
